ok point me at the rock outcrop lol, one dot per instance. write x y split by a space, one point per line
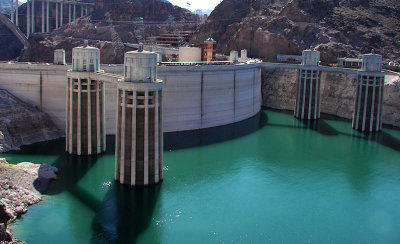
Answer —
23 124
21 185
337 28
338 93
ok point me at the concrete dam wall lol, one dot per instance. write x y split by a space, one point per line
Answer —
195 97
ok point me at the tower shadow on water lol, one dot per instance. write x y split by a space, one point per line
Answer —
125 213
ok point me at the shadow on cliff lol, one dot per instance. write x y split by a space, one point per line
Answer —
124 214
195 138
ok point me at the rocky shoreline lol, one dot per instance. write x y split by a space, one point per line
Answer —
23 124
21 186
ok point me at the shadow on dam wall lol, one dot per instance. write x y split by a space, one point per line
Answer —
195 138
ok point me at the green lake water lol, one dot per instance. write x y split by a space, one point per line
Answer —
270 179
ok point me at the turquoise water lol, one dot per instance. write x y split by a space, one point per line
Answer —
269 179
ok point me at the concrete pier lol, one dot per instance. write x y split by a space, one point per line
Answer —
16 13
61 13
28 19
43 29
308 87
33 16
56 15
74 17
12 11
139 133
368 106
48 17
85 106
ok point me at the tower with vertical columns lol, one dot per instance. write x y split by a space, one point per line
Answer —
59 56
367 116
85 126
139 134
308 87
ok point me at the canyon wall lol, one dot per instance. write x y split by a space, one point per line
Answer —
338 93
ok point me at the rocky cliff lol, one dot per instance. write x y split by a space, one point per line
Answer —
23 124
337 28
338 93
109 26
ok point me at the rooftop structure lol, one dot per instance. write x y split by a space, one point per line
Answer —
59 56
209 50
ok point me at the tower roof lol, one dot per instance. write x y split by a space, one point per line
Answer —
210 39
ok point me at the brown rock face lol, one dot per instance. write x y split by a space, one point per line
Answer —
336 28
22 124
109 26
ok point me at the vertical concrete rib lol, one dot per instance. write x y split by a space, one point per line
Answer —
89 116
117 137
381 88
12 11
98 134
71 115
33 16
62 14
156 137
79 122
161 140
371 122
56 15
296 109
146 138
234 95
304 93
48 17
69 14
28 19
67 119
81 11
74 14
43 30
311 94
16 14
365 104
317 95
133 149
103 117
123 145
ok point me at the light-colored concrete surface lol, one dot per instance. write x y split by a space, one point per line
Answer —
194 97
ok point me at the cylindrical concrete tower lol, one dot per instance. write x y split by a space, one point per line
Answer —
139 135
234 56
59 56
308 87
85 127
368 105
